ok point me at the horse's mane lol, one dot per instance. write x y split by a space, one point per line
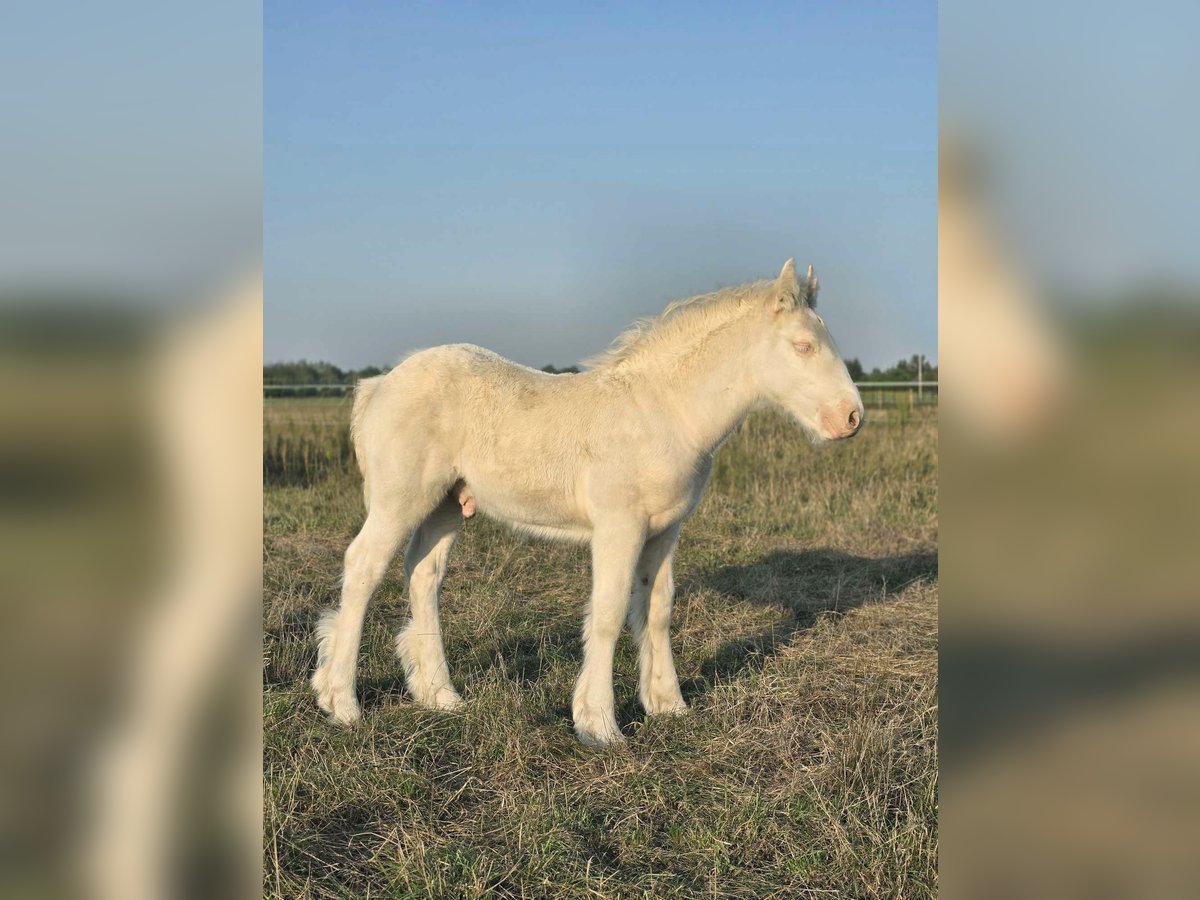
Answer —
698 315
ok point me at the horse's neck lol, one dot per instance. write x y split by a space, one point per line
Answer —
709 395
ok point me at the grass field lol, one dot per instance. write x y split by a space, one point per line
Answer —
805 633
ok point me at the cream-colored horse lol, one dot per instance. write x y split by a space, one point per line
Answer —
617 456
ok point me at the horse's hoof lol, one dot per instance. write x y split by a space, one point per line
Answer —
665 706
598 731
342 710
445 699
341 706
679 709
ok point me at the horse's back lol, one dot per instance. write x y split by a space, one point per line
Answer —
475 401
508 408
475 378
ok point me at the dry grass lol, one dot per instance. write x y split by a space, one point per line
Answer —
306 439
806 637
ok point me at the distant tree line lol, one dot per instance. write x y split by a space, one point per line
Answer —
904 370
318 374
314 373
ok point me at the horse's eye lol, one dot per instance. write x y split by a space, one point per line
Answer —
803 347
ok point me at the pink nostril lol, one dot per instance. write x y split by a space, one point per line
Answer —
854 419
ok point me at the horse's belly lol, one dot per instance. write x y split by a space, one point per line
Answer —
528 506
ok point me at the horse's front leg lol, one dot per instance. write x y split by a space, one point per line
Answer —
650 622
616 547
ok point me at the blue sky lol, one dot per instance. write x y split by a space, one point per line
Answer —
1085 113
132 147
531 178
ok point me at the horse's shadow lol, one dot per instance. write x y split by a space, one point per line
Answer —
805 585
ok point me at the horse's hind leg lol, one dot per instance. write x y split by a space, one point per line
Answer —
419 644
339 633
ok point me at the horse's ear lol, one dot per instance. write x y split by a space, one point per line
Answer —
811 286
787 288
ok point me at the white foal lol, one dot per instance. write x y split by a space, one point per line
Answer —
617 456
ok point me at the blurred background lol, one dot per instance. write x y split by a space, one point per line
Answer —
1068 287
130 416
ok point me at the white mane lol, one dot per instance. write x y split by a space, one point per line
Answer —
689 317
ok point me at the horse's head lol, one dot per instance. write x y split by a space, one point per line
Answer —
798 365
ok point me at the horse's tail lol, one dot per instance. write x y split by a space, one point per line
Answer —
363 392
